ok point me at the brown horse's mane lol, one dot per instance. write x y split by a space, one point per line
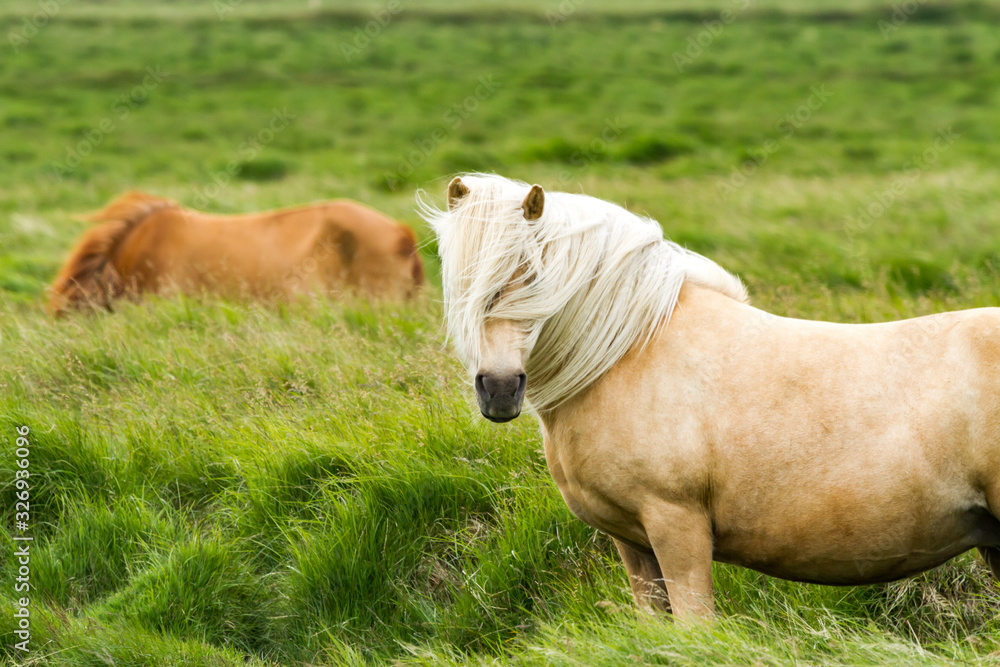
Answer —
88 278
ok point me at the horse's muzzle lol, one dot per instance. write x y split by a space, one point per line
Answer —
500 396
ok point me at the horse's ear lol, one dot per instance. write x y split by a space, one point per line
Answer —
456 190
534 203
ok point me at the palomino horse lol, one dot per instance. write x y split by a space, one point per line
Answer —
149 244
692 427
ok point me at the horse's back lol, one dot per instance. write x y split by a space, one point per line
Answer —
328 246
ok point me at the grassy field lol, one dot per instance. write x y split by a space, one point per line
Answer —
222 483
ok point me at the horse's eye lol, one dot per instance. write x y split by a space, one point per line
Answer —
493 302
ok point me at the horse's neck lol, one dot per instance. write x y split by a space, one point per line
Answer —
704 321
700 305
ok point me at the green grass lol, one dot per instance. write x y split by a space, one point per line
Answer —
224 483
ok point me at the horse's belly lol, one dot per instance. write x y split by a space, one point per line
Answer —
859 554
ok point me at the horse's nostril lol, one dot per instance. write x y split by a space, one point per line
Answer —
491 387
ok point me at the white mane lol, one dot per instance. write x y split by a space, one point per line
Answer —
587 281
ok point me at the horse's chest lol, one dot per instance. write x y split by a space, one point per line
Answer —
591 486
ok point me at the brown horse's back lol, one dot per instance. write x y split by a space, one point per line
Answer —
331 247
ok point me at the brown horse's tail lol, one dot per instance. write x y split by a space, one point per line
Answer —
88 278
408 249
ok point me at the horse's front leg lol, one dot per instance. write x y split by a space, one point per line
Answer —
645 578
682 541
992 557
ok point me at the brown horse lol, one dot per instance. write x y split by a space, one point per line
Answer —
150 244
692 427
